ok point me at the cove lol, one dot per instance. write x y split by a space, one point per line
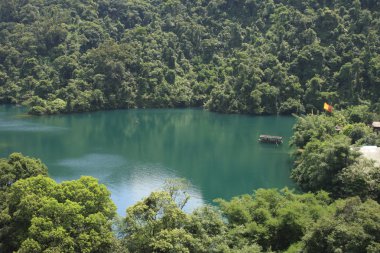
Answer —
134 151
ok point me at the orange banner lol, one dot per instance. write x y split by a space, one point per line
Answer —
327 107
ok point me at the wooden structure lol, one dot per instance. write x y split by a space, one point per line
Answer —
376 126
270 139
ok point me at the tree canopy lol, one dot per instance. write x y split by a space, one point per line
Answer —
18 167
244 56
39 215
42 216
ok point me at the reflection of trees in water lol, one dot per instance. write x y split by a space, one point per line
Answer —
217 152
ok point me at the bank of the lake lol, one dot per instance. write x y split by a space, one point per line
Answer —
134 151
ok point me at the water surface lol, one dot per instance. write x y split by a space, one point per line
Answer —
134 151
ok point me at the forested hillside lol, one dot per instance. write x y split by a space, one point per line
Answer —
235 56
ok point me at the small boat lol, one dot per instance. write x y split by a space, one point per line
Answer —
270 139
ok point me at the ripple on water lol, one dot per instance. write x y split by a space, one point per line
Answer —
23 126
93 162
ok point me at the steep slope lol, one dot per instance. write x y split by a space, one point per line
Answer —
235 56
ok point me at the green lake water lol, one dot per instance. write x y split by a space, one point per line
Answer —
134 151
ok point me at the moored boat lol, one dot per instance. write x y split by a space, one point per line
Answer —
270 139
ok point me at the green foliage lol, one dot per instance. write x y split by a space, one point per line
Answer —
18 167
146 219
362 178
321 162
272 219
41 215
256 57
326 157
13 169
352 227
37 110
268 220
359 114
315 127
357 132
158 224
56 106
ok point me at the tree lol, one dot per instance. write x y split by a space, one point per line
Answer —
273 219
208 229
352 227
269 97
223 52
359 114
311 127
357 132
321 162
41 215
362 179
291 106
157 223
18 167
313 93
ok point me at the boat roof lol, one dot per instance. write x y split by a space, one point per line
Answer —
270 136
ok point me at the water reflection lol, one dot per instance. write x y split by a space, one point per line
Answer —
127 185
134 151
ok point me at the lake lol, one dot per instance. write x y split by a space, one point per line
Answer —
133 152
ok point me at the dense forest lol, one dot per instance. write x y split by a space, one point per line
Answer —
234 56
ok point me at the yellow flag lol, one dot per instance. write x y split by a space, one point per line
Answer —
327 107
